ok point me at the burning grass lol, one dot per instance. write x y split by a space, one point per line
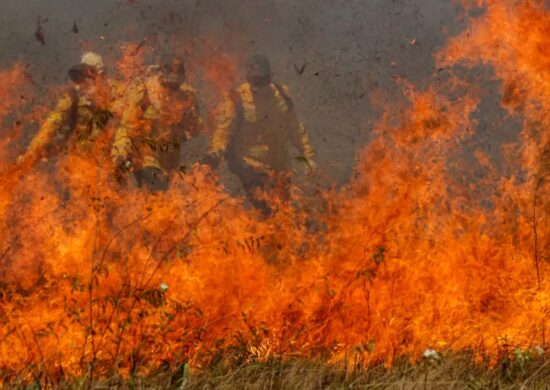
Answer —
453 371
100 281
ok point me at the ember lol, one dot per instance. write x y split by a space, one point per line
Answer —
114 262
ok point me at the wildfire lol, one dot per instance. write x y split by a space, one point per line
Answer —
96 277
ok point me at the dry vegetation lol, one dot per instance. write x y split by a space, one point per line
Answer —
456 371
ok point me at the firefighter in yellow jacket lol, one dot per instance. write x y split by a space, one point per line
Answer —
254 127
161 113
81 114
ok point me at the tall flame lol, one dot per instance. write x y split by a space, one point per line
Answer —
98 278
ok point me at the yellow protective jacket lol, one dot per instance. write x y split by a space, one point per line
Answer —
253 127
154 124
75 122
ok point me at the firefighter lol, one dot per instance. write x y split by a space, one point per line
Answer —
253 128
161 113
81 114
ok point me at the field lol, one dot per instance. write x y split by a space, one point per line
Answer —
427 269
454 371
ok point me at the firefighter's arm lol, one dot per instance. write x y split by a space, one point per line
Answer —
224 116
122 143
298 136
302 143
193 117
55 121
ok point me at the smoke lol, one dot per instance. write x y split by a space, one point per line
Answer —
338 57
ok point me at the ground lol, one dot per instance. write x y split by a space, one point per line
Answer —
454 371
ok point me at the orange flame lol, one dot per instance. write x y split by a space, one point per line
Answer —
97 278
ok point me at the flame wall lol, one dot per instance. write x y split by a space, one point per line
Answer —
414 252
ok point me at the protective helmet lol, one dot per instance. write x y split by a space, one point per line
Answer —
94 60
173 65
153 69
173 73
78 74
258 70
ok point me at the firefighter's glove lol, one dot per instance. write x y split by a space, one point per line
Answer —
123 166
127 165
212 160
152 178
28 159
124 163
312 165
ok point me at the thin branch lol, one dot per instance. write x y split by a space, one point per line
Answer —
43 361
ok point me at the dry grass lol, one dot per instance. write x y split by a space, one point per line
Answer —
456 371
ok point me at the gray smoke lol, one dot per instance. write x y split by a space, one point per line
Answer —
332 54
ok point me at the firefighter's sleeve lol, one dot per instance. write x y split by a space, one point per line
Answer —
224 117
53 124
299 138
304 145
122 142
193 117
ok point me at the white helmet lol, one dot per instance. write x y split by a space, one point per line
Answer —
153 69
94 60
